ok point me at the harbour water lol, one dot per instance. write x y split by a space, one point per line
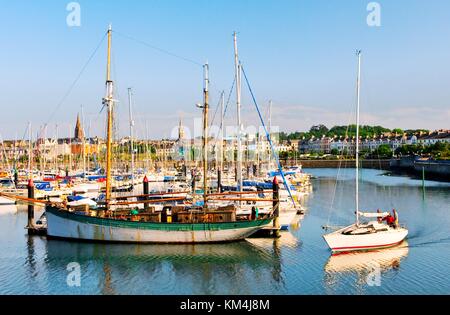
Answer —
298 263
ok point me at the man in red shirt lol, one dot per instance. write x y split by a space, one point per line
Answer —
390 220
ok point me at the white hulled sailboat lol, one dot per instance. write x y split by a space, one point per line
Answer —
363 236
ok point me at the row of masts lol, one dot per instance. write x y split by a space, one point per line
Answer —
108 102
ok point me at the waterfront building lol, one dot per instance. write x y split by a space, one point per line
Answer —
434 137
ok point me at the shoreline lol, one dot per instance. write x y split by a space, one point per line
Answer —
373 164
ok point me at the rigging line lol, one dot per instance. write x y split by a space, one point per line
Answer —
159 49
215 112
268 138
228 100
76 79
338 173
26 132
115 111
226 105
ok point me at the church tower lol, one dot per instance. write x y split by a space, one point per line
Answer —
79 134
180 130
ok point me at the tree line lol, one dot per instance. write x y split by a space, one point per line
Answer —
318 131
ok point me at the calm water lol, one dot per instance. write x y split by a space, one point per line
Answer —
298 263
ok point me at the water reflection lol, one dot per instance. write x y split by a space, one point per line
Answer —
203 269
363 265
8 209
297 263
30 258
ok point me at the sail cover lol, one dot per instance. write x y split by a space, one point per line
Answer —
374 214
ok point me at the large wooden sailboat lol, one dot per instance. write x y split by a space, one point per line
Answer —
187 223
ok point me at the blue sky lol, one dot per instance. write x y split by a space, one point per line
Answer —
300 54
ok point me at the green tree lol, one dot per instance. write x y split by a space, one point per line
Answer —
334 151
318 130
383 151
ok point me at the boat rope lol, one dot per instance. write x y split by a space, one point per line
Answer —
217 109
268 138
338 173
151 195
233 193
244 199
125 203
158 49
226 104
77 78
24 199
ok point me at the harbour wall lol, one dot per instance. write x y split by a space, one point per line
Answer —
430 169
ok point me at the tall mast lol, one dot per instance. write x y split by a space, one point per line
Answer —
130 104
205 131
237 66
44 145
83 142
257 149
147 147
70 149
270 131
222 103
88 136
56 149
30 151
15 152
108 101
358 86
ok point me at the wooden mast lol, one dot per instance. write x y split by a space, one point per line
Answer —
237 66
222 114
270 134
30 151
83 142
70 150
205 132
130 104
108 102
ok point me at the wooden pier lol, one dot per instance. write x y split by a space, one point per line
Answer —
268 232
37 230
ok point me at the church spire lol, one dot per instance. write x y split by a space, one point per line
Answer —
180 130
79 134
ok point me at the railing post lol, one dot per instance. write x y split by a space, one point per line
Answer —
30 187
146 191
276 206
219 181
184 168
16 177
193 175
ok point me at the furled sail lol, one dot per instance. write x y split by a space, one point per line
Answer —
373 214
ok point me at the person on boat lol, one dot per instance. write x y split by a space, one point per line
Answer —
390 220
255 213
379 218
396 225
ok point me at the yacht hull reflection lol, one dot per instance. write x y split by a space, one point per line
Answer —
361 261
